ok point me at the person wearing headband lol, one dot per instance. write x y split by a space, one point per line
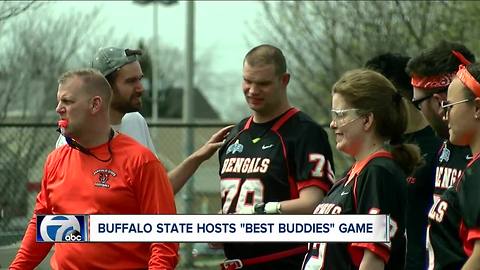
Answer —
432 71
456 217
418 132
117 175
368 118
121 67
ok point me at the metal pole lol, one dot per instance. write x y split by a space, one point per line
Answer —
153 57
188 108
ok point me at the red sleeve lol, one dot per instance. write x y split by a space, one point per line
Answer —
356 251
472 236
155 196
323 185
31 253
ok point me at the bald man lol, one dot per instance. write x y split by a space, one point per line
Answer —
99 171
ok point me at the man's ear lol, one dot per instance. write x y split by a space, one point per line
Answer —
285 79
476 103
437 103
96 104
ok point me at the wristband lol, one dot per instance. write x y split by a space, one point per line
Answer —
267 208
273 208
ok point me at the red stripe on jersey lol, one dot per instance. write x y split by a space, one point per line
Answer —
472 236
475 158
291 112
313 183
248 123
359 166
469 236
279 123
356 251
463 235
293 187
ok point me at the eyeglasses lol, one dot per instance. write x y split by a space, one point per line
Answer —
340 116
447 105
418 102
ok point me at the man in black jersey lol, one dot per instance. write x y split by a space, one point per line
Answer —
277 161
432 71
420 184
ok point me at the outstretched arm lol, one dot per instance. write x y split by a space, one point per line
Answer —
180 174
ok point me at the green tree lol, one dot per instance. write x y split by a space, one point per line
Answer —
323 39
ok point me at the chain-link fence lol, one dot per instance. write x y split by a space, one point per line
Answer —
24 148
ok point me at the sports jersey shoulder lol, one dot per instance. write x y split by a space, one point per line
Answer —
300 125
233 133
310 154
132 147
383 166
381 184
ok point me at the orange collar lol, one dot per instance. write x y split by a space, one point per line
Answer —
359 165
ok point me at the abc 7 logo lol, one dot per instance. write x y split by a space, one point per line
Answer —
60 228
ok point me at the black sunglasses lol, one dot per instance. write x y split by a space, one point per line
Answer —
418 102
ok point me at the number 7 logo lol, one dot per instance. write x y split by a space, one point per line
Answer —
248 193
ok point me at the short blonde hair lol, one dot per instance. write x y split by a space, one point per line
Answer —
92 81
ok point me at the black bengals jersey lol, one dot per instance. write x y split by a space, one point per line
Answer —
271 162
451 160
455 221
419 196
375 185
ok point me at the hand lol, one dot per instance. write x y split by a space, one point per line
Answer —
212 145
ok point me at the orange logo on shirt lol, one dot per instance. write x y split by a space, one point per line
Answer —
103 177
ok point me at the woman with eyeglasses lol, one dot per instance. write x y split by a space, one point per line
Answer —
368 118
456 216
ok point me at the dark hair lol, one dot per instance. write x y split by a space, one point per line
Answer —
112 77
371 92
266 55
438 60
392 66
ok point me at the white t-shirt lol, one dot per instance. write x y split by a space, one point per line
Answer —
134 125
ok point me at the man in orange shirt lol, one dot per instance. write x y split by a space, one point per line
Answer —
99 172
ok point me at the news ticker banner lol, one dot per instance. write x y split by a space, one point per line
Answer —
213 228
